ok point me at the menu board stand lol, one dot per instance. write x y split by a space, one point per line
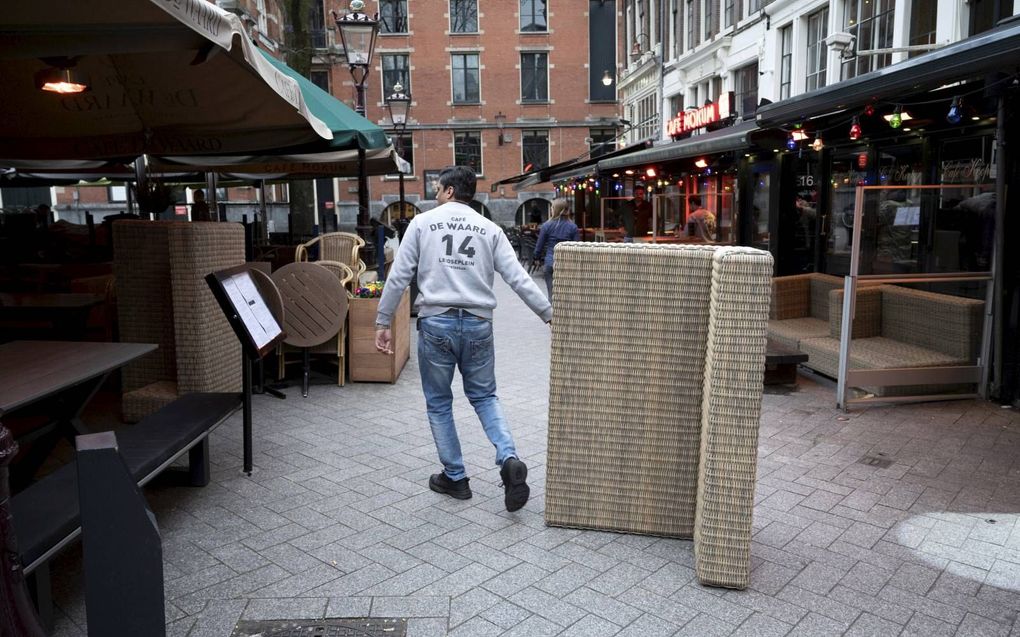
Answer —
255 327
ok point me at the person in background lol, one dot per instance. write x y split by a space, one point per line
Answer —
381 232
199 207
560 227
701 222
637 216
456 252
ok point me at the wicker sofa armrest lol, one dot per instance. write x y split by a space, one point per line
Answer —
791 297
868 312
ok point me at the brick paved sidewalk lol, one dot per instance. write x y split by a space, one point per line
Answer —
338 521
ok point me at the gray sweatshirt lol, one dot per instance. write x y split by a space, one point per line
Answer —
455 252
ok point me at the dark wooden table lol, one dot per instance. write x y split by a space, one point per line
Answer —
58 378
55 314
781 364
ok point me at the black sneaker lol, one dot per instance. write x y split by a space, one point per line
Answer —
441 483
514 474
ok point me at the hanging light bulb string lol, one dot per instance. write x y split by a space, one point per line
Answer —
958 98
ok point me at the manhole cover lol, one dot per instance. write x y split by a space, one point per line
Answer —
346 627
879 461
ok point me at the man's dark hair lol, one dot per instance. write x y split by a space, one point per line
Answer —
462 179
695 201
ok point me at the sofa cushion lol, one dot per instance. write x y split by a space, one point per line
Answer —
821 285
872 353
791 331
942 322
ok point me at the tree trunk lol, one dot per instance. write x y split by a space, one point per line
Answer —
298 49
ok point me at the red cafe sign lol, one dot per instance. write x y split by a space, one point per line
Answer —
701 117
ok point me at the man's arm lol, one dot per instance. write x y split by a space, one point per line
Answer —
505 262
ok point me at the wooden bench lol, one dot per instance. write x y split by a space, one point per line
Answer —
781 363
45 516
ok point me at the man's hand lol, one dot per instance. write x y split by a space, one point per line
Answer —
384 340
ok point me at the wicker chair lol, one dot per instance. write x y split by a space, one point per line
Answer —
342 247
335 346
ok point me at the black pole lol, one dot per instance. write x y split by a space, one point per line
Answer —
364 229
246 390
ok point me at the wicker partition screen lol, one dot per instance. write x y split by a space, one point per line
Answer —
628 407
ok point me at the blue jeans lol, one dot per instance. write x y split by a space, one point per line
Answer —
548 279
463 341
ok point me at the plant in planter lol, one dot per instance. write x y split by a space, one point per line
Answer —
153 196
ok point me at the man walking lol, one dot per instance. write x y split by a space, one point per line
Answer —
455 252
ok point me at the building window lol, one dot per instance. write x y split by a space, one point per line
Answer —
534 149
116 193
706 18
464 16
603 140
405 144
785 61
465 78
320 78
923 16
746 82
533 15
317 26
534 77
689 17
393 16
467 149
729 9
648 116
753 6
817 53
676 105
395 70
872 22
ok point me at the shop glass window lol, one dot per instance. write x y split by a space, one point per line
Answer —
817 52
747 90
467 149
923 17
534 149
465 78
464 16
396 69
760 193
603 140
392 16
534 77
729 9
320 78
785 61
533 16
871 21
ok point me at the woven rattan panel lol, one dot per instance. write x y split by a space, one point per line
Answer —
731 408
208 352
629 335
141 266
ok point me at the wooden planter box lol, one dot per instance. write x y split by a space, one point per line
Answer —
367 364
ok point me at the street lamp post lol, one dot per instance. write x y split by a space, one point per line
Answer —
399 104
357 35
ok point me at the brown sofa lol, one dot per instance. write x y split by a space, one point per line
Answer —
800 307
901 327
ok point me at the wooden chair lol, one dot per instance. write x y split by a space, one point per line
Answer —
336 345
342 247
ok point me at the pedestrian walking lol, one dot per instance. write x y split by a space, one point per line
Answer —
455 252
560 227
